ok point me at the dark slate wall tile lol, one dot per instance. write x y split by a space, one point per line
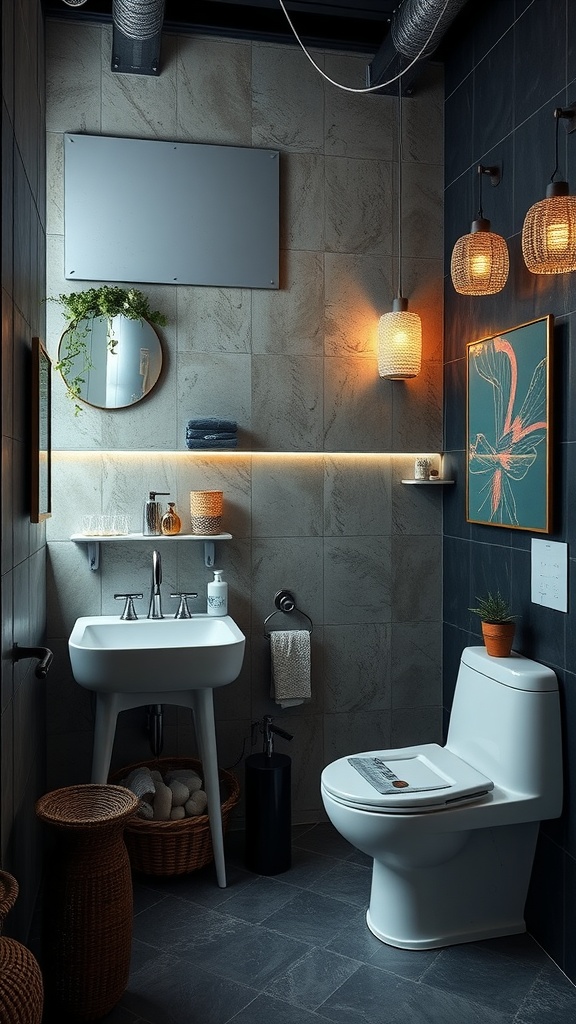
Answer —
493 99
541 32
454 504
456 556
458 130
534 156
545 903
455 398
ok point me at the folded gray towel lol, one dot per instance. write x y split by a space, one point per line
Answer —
211 423
218 435
197 443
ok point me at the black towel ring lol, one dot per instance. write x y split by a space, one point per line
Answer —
285 602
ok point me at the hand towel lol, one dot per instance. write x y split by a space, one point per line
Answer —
210 435
211 423
290 657
197 443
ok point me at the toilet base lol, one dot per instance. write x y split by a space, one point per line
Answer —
445 940
478 894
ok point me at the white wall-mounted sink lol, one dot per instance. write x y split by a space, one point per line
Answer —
113 655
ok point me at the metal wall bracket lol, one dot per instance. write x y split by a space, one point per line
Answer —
135 56
93 553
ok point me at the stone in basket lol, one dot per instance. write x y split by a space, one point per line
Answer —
174 847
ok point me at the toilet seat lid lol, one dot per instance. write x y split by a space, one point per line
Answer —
419 778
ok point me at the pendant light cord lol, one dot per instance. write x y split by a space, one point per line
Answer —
558 113
399 189
369 88
480 214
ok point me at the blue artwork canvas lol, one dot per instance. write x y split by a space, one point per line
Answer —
508 434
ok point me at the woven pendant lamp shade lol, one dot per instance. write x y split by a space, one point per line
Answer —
549 232
399 342
480 261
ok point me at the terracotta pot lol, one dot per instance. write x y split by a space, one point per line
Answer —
498 638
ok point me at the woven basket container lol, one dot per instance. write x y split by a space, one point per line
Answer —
21 986
206 511
174 847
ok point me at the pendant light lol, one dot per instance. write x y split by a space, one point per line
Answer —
399 332
480 262
549 231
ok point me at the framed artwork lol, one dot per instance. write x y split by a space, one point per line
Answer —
508 450
41 490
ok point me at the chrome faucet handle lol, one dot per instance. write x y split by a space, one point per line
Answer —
183 609
129 610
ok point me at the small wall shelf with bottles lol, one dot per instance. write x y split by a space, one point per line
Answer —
93 543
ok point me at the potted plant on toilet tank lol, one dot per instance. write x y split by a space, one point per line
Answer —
498 624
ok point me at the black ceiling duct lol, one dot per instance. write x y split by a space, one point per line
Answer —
417 28
419 25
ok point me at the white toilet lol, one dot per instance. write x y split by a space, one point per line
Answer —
452 830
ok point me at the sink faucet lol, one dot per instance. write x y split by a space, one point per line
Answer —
155 607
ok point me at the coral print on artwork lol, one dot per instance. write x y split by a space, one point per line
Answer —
508 428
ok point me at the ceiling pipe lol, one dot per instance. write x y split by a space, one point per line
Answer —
138 19
419 26
408 42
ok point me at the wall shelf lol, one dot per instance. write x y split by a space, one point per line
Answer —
428 483
93 543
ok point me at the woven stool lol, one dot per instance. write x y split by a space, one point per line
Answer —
88 912
21 989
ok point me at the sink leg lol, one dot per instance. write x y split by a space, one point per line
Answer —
203 706
107 708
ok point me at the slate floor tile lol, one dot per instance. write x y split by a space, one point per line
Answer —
480 976
311 917
258 900
179 927
356 940
265 1010
345 881
411 964
255 957
174 993
289 949
372 996
313 978
551 1000
323 838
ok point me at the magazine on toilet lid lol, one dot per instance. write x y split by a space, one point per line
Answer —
419 777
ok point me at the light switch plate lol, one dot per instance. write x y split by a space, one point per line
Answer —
550 574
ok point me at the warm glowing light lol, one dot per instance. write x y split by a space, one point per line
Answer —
557 236
399 344
549 233
480 263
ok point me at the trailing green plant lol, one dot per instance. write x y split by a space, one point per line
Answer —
80 308
493 608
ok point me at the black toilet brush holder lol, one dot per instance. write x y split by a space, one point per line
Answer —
268 806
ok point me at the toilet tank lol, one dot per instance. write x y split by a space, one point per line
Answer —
505 721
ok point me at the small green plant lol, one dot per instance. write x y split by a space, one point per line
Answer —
493 608
80 308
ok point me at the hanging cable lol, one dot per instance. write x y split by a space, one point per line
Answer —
399 190
368 88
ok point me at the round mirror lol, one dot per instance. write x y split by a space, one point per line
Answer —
110 363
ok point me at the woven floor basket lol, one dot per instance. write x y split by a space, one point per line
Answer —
174 847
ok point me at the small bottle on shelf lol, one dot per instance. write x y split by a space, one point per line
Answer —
171 522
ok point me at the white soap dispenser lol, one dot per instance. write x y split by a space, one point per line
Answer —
217 595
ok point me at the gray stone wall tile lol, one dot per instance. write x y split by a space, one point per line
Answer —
213 90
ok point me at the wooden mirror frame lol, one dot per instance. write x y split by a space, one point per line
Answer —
41 398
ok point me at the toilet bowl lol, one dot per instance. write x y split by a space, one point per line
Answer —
452 830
